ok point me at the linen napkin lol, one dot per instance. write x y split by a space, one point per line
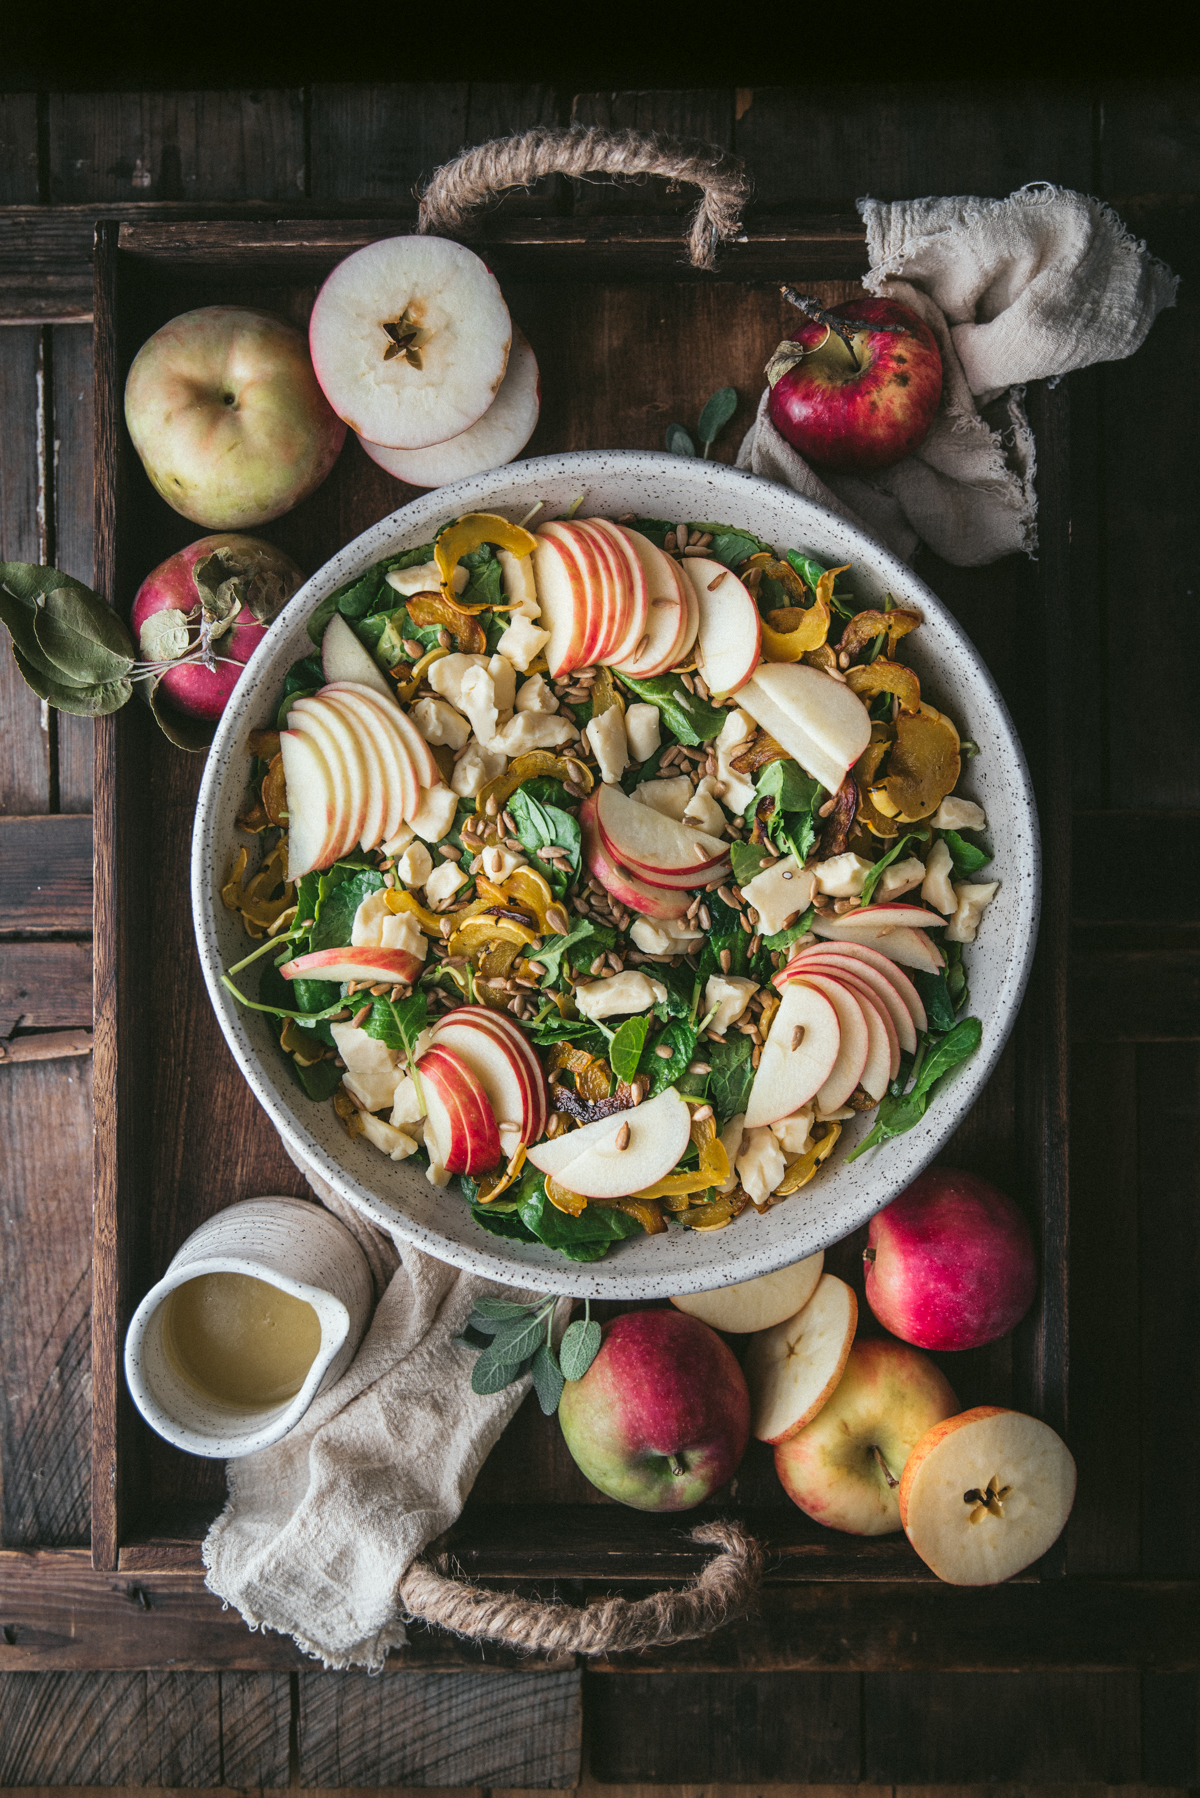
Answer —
320 1528
1014 290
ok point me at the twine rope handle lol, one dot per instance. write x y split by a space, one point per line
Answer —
479 174
720 1592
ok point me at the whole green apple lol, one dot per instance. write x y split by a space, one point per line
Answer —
228 418
662 1416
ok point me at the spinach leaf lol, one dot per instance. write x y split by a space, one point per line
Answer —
688 717
875 874
580 947
583 1238
895 1116
539 826
793 824
302 677
625 1050
935 997
342 891
502 1223
747 859
962 1041
731 545
783 939
322 1079
732 1076
547 791
398 1022
967 858
654 528
363 593
680 1036
956 975
682 991
576 1031
485 587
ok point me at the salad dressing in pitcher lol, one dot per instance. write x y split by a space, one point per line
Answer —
239 1340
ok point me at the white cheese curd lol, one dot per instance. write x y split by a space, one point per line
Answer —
532 730
425 577
794 1134
760 1164
842 876
537 695
901 877
704 809
477 697
670 797
444 882
730 993
363 1054
627 992
643 728
401 840
520 586
401 931
438 722
498 862
521 642
504 683
936 887
777 892
664 936
445 675
434 817
958 814
735 789
415 866
385 1136
475 767
971 902
366 932
435 1173
406 1106
731 1142
606 734
370 1092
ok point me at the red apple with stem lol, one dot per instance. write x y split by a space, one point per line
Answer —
857 386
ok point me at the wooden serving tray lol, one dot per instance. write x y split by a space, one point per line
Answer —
629 340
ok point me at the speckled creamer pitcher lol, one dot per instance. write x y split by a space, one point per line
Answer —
290 1244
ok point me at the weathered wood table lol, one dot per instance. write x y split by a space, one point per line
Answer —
116 1667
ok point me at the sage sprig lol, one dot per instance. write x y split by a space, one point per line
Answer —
518 1339
719 408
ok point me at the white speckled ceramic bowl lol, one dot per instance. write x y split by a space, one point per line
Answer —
396 1195
290 1243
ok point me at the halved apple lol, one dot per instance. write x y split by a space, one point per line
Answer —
798 1056
626 888
912 948
793 1368
344 657
653 845
752 1305
729 633
496 1064
396 966
983 1495
592 1162
314 821
635 603
459 1114
853 1045
829 957
817 719
491 442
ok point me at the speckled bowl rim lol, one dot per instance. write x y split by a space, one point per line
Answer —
680 1261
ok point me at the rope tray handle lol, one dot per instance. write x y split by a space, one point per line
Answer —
720 1592
479 174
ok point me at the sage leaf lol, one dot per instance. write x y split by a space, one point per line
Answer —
548 1381
82 637
164 636
519 1338
579 1347
716 415
492 1374
498 1308
94 701
679 441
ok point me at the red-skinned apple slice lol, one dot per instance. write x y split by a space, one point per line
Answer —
590 589
502 1073
403 767
319 712
634 894
666 615
729 633
344 658
348 793
313 819
614 608
636 594
653 845
854 1045
892 917
883 1056
562 596
798 1056
664 881
912 948
590 1160
398 774
393 965
793 1368
691 629
983 1495
894 975
379 796
512 1034
462 1119
828 958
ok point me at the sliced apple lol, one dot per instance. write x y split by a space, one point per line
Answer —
459 1114
377 769
500 1070
614 606
396 966
829 956
634 894
911 948
403 766
348 783
320 714
635 592
592 1162
491 442
344 657
729 628
757 1304
396 772
883 1053
817 719
895 976
313 818
562 588
517 1040
892 917
798 1056
666 611
853 1045
654 845
985 1494
794 1367
591 589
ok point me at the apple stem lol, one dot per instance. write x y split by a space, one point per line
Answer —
868 1254
676 1465
888 1475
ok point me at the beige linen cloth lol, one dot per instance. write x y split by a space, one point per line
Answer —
1016 290
320 1528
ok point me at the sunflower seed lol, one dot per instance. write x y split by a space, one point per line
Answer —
664 1051
358 1017
413 648
622 1137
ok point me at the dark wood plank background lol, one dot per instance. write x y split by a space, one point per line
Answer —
1135 971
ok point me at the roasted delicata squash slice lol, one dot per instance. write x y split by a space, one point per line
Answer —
867 767
759 753
712 1171
469 533
922 768
884 676
805 1166
864 627
525 767
426 609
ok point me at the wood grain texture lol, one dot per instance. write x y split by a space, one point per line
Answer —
376 140
45 1292
50 1045
109 1729
176 146
704 114
1171 838
1136 996
1170 1728
24 742
46 874
488 1729
45 986
18 150
948 1728
802 1728
74 499
256 1718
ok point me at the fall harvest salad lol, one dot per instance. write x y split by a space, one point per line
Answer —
608 867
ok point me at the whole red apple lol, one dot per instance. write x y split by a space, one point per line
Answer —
950 1263
257 574
662 1416
863 405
